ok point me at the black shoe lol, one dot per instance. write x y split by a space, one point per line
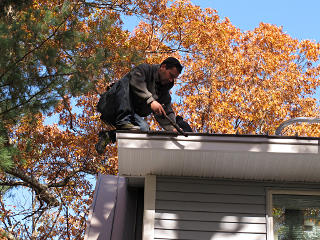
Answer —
128 126
104 139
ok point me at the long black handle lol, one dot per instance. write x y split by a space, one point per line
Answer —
176 126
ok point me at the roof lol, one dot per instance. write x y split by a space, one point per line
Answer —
253 157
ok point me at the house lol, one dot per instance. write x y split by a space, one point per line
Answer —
209 187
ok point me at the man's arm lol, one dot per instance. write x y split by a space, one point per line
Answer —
157 108
164 123
138 83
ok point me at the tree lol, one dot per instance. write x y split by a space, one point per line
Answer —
245 82
55 52
233 81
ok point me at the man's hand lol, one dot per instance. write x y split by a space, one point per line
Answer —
157 108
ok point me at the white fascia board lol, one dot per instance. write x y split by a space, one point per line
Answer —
243 157
217 143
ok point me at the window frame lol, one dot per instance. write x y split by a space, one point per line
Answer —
269 201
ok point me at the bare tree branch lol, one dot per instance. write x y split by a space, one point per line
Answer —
54 223
66 180
41 190
122 7
5 214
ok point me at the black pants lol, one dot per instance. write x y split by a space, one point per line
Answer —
119 109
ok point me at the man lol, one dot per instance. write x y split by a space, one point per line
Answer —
144 90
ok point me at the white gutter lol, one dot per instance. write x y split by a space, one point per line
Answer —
226 156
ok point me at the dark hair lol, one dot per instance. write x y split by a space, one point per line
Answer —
171 62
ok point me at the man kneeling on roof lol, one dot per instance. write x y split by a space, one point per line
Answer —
142 91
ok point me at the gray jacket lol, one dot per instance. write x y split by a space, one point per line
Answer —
145 87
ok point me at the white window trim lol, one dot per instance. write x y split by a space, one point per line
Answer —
270 203
149 207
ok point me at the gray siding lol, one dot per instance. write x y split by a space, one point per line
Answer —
204 209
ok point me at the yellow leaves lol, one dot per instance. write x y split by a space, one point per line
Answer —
310 49
253 78
232 81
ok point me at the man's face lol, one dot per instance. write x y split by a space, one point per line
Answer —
167 75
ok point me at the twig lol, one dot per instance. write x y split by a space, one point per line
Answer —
54 223
65 181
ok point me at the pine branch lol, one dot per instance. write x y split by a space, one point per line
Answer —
27 101
65 102
35 48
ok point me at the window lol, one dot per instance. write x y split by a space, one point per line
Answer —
293 215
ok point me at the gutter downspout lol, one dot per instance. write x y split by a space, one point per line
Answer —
294 120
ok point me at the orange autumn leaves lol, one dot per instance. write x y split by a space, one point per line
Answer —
245 82
233 81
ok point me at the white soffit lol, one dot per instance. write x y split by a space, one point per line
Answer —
223 156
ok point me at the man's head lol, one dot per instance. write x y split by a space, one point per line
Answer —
169 70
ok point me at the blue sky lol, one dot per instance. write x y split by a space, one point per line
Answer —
300 19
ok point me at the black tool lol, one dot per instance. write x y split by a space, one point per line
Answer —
176 126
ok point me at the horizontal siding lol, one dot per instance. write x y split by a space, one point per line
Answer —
198 235
237 182
214 209
208 181
210 197
214 217
211 207
210 226
203 188
204 209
